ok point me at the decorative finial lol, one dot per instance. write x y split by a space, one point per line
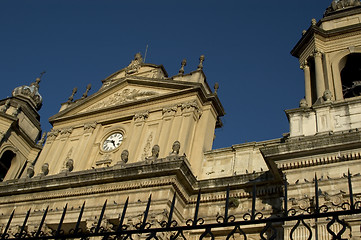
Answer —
71 98
181 70
304 32
216 86
303 103
88 87
38 80
201 60
313 22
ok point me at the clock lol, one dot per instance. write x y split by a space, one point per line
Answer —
112 142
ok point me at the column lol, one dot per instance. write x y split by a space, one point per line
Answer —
308 94
320 81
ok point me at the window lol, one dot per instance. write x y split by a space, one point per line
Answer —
351 76
5 163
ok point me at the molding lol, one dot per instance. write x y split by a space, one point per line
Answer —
319 161
162 172
310 145
182 87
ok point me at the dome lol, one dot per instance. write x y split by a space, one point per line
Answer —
338 5
31 93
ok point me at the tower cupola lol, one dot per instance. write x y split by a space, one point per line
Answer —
30 94
329 53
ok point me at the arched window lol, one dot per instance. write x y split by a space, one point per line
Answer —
5 163
351 76
311 64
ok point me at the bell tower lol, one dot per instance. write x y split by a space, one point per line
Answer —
20 131
329 53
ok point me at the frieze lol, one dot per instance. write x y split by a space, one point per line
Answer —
173 181
306 204
91 224
14 230
87 191
126 95
319 161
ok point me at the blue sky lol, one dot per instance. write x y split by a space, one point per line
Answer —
246 45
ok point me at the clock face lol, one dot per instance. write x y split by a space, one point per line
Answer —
112 142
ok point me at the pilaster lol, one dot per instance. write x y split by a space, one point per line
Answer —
308 93
320 80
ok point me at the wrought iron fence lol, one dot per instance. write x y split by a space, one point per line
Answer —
204 230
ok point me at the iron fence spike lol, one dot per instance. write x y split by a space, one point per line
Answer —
8 224
285 196
42 222
146 212
350 190
227 205
123 215
254 192
171 211
61 220
101 217
197 208
317 206
25 221
79 218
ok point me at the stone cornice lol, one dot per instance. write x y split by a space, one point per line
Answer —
306 146
183 88
316 30
333 104
133 171
163 172
319 161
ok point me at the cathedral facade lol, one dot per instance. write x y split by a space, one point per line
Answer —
146 135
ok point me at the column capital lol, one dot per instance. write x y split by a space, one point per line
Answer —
304 65
317 53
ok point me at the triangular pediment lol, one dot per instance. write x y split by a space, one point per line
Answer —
126 94
121 93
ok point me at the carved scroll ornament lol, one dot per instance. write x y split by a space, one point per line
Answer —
127 95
